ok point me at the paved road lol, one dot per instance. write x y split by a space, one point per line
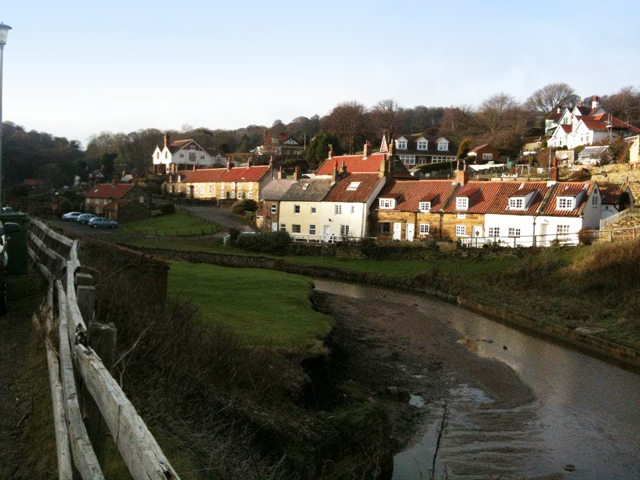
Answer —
80 229
222 217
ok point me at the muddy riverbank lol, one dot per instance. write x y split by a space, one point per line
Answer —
521 407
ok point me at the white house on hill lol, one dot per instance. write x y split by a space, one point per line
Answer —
182 155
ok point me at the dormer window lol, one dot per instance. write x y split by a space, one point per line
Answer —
462 203
443 146
516 203
425 206
401 144
387 203
353 186
565 203
422 144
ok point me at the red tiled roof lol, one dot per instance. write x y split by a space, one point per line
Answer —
500 203
481 195
33 182
413 192
567 189
109 190
236 174
354 164
567 128
340 193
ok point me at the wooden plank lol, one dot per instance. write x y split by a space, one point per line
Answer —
84 457
46 250
139 449
56 236
65 471
40 265
76 325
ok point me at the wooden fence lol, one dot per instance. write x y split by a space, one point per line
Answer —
88 403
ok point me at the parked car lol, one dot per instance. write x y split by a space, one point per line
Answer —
85 217
101 222
71 216
5 232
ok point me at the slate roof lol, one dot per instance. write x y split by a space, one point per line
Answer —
611 193
109 190
276 189
341 192
308 190
411 192
432 146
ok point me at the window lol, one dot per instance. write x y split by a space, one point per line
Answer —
283 227
165 155
353 186
461 215
313 210
158 155
462 203
443 146
494 231
401 144
562 229
384 228
344 230
312 229
338 209
141 199
487 156
408 159
182 155
516 203
232 194
424 229
514 232
296 209
461 231
274 208
422 144
210 188
425 206
387 203
295 228
594 199
565 203
250 195
201 157
353 209
239 195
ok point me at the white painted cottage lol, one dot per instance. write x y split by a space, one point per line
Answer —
181 155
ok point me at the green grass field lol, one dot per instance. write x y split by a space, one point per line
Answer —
263 307
178 223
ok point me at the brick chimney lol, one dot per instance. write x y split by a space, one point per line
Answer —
335 175
462 175
343 168
330 151
115 180
554 170
166 140
280 174
367 149
228 164
595 102
296 173
249 162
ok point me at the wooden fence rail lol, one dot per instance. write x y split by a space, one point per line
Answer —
77 367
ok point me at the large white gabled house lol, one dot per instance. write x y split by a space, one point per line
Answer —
423 149
584 125
181 155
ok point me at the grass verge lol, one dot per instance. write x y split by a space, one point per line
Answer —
179 223
263 307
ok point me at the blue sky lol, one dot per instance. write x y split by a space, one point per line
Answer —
74 68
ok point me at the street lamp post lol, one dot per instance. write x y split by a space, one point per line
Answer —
4 31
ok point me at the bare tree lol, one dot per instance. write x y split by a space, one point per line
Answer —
624 104
347 121
387 116
457 120
545 99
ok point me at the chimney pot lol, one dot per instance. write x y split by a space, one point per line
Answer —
166 140
462 176
367 148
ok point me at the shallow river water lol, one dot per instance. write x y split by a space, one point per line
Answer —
586 412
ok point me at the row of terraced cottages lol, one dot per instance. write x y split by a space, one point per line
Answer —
370 195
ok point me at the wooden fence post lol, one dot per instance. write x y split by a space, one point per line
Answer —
102 339
87 302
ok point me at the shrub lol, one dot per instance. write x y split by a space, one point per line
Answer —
237 209
64 207
233 233
273 243
249 205
585 236
168 209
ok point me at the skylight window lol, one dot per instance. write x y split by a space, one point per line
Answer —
353 186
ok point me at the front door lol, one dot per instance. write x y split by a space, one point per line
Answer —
476 233
397 231
326 233
274 226
411 230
